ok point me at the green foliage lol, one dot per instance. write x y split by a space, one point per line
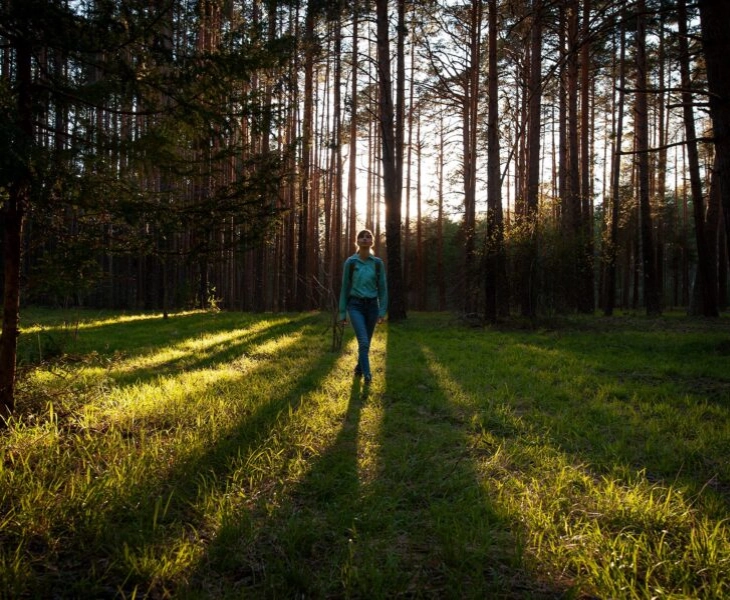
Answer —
145 137
227 455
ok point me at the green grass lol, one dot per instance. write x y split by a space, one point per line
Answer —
228 455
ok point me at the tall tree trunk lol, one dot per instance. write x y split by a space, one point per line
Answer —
391 184
400 122
495 281
651 290
662 126
706 254
400 91
712 231
586 298
529 267
440 276
352 174
335 239
612 242
409 285
421 286
722 279
289 256
714 17
574 217
685 237
13 214
304 242
469 143
563 170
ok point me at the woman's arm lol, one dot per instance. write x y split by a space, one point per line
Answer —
382 292
344 290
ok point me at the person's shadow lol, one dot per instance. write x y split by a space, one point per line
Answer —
389 504
263 551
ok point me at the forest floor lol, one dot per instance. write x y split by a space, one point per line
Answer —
228 455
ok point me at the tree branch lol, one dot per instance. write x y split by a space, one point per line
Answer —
706 140
661 91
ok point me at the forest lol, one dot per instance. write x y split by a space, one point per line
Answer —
513 157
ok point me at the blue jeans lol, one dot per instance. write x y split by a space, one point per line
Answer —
363 316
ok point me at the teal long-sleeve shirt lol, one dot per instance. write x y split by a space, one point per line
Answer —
363 284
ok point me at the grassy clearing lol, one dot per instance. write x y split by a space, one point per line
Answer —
220 455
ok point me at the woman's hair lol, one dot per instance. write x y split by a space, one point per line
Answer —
359 234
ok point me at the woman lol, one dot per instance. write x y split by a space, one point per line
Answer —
364 295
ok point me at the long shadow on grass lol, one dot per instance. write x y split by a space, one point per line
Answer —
154 349
298 549
443 537
624 414
391 508
232 345
691 361
131 333
139 335
142 525
521 404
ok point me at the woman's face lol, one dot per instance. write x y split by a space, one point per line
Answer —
365 239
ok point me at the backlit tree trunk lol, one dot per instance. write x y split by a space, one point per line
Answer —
391 183
573 213
335 237
586 298
496 299
534 131
470 119
305 242
13 216
714 17
352 165
612 241
706 253
651 291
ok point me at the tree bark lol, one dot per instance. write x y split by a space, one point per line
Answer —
662 126
574 216
651 291
352 174
304 248
563 170
335 238
440 276
391 184
495 280
586 299
470 110
612 251
714 17
421 285
529 266
706 254
13 217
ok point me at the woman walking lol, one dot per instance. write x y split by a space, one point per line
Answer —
364 296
